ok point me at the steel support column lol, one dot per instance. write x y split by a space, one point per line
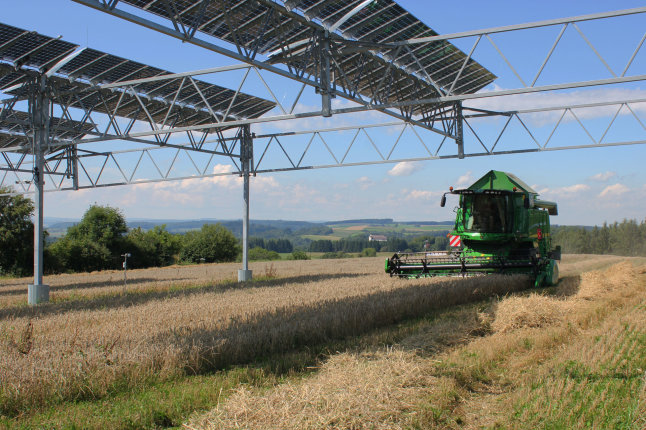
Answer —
326 97
459 131
246 157
73 166
40 106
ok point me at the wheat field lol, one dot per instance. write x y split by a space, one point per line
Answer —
96 338
550 361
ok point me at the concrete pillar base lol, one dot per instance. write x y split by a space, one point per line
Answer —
38 294
244 275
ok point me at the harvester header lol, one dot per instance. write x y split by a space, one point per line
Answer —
502 227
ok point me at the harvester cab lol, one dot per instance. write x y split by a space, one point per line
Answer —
501 227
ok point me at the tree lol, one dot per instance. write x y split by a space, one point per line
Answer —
394 244
213 243
95 243
16 234
322 246
279 245
352 245
256 241
104 225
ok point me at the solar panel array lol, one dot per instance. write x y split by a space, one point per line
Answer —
384 22
15 130
281 29
25 53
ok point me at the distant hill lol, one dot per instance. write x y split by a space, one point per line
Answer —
369 221
256 227
385 221
450 222
268 229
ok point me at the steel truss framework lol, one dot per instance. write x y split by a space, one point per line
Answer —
391 75
72 167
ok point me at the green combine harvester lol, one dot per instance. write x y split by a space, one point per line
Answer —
500 227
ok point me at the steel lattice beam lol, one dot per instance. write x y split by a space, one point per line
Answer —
92 165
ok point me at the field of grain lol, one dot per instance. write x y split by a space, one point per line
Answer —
96 338
66 287
573 358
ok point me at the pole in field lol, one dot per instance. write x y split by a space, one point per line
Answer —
125 270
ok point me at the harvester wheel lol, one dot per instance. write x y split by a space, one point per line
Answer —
553 279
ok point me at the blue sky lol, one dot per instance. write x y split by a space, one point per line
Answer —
591 186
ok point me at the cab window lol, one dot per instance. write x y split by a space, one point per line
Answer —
486 213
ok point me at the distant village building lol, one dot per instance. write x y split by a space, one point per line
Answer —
377 238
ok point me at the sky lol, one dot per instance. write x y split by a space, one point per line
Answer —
591 186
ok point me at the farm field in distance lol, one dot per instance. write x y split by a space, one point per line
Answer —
187 344
348 229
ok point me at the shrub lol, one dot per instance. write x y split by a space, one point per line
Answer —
299 255
81 255
368 252
259 253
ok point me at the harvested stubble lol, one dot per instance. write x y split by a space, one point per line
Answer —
597 378
478 384
85 354
535 311
351 391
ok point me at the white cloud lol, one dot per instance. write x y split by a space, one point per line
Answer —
464 179
603 177
365 182
613 190
574 194
576 188
405 168
196 191
422 195
566 191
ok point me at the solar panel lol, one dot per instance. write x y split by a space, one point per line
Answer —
15 129
384 21
21 47
22 52
281 31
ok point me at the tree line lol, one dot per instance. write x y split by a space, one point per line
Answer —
100 240
436 242
626 238
102 237
276 245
